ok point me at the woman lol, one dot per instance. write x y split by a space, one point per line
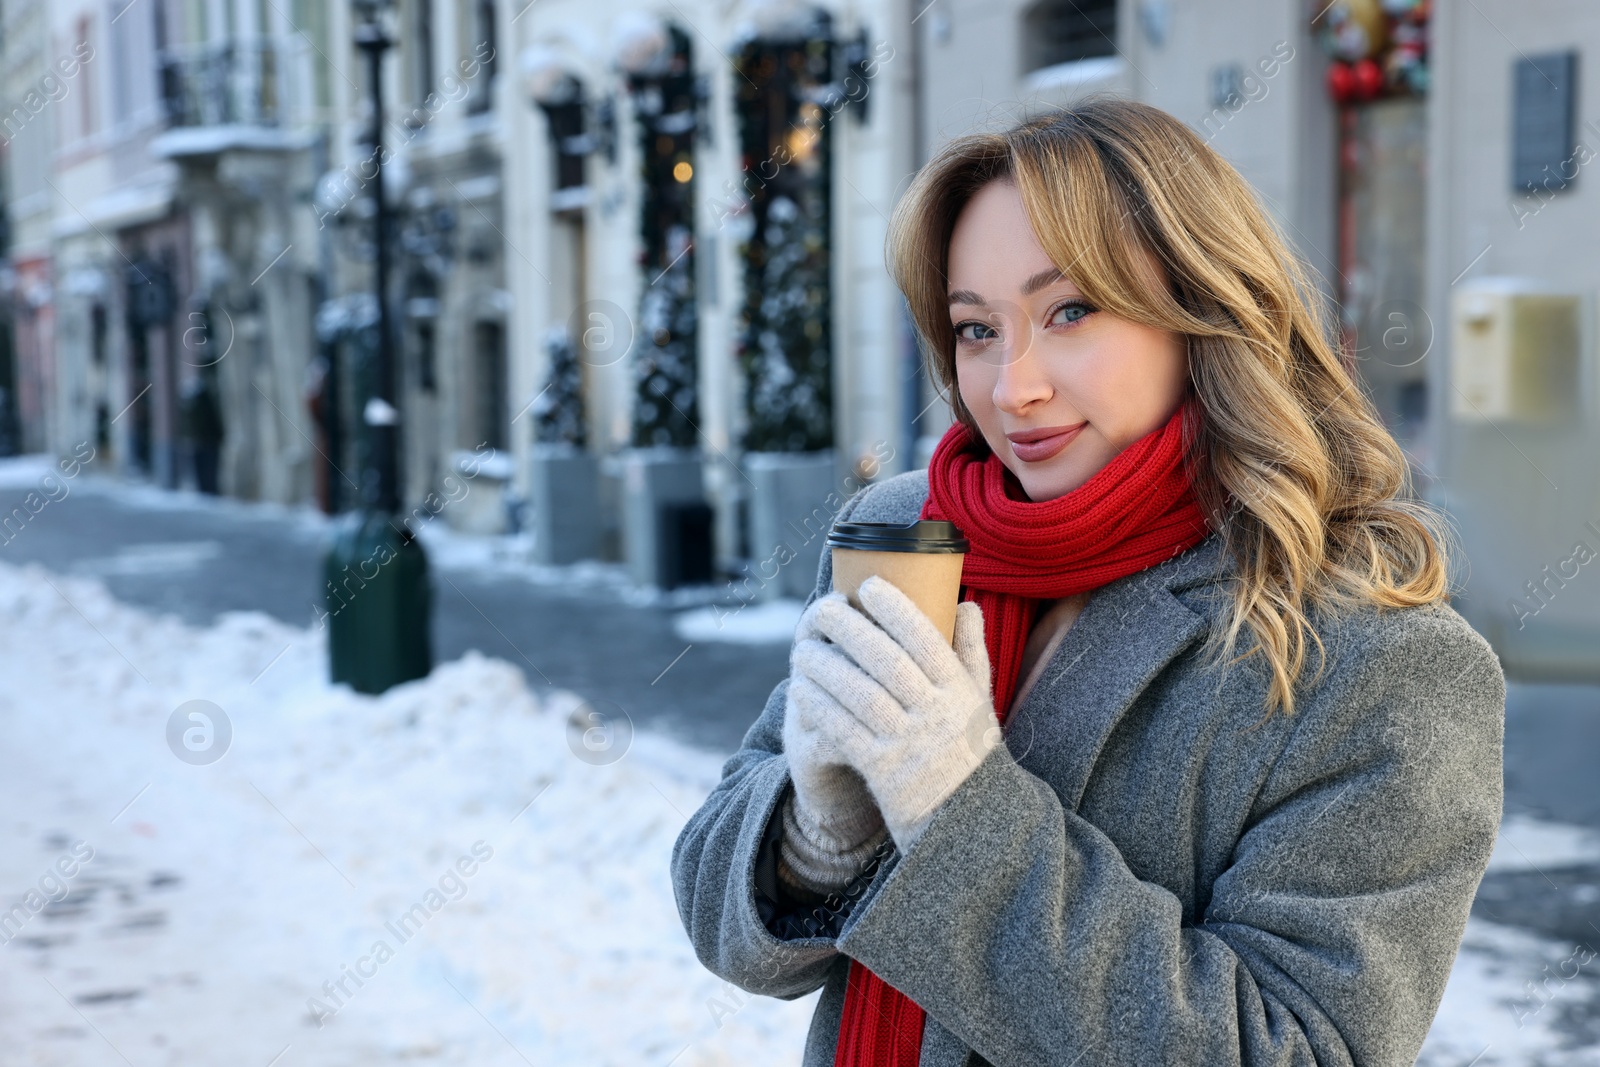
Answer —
1166 853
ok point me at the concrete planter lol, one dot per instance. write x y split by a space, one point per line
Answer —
563 503
483 509
788 506
652 477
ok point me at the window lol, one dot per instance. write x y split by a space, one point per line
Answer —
489 342
130 68
422 49
565 122
785 337
86 114
483 47
425 357
97 334
1065 31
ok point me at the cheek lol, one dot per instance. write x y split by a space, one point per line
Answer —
975 381
1138 384
976 387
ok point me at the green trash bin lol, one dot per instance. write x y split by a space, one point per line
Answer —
378 601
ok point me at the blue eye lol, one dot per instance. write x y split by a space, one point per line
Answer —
1073 310
963 338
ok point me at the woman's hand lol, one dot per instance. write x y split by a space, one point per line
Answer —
833 808
907 710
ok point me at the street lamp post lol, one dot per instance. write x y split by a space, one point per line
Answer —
380 489
377 594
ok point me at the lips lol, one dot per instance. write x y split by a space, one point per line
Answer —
1039 433
1033 446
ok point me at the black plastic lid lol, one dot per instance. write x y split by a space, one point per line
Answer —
923 535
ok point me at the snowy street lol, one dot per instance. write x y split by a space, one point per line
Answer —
455 872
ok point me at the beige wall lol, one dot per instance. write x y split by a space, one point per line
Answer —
1521 492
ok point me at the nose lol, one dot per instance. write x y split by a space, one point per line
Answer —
1020 380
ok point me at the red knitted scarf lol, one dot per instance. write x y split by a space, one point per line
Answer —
1135 512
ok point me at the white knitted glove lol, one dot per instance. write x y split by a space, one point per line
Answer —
920 717
832 824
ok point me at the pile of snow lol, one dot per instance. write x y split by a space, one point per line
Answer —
26 471
515 873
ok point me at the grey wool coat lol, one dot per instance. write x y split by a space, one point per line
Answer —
1138 877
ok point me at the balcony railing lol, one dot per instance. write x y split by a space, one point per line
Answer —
253 83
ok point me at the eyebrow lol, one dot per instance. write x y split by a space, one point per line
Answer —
1029 287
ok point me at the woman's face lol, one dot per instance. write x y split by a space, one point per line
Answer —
1032 354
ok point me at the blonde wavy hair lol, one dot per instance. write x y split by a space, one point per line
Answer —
1286 452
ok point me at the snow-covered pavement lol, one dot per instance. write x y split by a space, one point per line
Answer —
456 872
513 867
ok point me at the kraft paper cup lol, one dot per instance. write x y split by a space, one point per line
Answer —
922 559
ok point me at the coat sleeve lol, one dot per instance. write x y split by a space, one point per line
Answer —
714 858
1327 940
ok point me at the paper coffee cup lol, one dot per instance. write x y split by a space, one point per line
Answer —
922 559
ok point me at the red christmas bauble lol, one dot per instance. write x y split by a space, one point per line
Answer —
1368 79
1341 82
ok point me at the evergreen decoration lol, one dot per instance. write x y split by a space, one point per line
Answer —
666 405
786 322
558 409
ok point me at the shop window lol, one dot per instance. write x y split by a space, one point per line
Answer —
785 325
666 105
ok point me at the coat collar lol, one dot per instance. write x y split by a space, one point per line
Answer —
1128 632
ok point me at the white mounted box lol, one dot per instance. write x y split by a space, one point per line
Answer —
1516 352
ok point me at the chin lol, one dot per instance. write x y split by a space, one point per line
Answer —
1040 485
1059 476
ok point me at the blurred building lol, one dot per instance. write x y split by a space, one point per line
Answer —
140 205
705 189
28 129
242 99
191 204
450 129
